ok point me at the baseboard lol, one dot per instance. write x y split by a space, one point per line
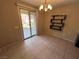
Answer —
67 39
8 45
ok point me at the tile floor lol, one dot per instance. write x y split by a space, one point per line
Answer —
41 47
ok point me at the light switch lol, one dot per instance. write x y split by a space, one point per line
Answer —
16 27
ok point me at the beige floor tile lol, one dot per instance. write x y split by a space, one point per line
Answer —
41 47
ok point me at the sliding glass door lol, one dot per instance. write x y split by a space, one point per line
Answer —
28 23
33 23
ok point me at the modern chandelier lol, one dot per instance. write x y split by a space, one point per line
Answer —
45 6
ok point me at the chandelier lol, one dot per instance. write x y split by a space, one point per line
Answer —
45 6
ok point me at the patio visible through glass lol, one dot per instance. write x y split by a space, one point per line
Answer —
28 23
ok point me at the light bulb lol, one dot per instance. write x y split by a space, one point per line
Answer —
49 7
41 7
46 9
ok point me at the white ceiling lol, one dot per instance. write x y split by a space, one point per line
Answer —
37 3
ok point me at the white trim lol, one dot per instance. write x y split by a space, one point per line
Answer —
25 6
67 39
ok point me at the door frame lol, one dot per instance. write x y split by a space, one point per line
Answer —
20 20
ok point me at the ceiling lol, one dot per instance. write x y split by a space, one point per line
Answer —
37 3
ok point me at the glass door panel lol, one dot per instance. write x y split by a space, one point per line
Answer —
33 23
25 23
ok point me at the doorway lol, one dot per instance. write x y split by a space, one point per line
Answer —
28 23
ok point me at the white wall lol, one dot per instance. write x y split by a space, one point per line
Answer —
71 28
9 22
40 22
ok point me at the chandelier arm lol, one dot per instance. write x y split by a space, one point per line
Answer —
45 6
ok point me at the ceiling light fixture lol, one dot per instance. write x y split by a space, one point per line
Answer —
45 6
